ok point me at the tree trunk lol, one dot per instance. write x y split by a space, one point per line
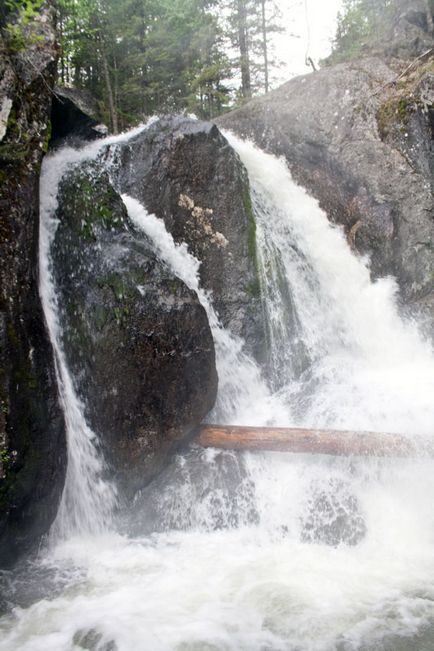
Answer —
264 45
311 441
429 16
246 88
112 108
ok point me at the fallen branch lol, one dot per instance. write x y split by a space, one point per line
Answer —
422 57
312 441
426 55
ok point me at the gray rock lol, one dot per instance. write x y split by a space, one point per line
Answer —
32 441
185 172
402 34
75 117
92 640
408 35
136 338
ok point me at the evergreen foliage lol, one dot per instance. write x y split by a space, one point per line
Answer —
359 23
364 23
140 57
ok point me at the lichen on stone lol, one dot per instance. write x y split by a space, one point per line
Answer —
201 217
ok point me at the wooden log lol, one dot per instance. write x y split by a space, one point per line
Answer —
312 441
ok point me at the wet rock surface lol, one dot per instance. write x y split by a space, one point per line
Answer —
32 443
408 34
184 171
93 640
136 338
334 516
362 144
202 489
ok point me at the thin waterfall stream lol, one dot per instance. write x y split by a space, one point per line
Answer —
252 552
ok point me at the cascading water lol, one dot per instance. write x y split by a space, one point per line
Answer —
266 552
341 354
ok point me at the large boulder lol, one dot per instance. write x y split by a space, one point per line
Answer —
136 338
362 144
185 172
32 441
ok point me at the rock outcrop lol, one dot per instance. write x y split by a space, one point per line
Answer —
402 30
136 338
361 142
184 171
32 445
75 117
409 33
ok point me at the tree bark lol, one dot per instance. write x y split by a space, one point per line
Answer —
246 87
264 46
112 107
312 441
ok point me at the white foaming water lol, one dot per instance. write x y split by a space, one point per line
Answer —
366 367
239 561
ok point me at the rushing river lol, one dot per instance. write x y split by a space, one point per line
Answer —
252 552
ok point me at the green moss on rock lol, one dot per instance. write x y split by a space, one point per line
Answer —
251 235
93 202
394 112
254 287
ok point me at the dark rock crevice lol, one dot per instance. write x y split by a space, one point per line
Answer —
74 117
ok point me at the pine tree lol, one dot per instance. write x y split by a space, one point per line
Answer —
265 22
359 23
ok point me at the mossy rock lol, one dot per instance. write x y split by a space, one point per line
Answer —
396 111
93 203
136 338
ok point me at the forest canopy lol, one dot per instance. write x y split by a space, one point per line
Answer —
140 57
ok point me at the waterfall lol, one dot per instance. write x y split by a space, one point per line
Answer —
341 354
249 552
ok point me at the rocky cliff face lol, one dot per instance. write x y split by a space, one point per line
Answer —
408 34
136 338
185 172
360 139
32 446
